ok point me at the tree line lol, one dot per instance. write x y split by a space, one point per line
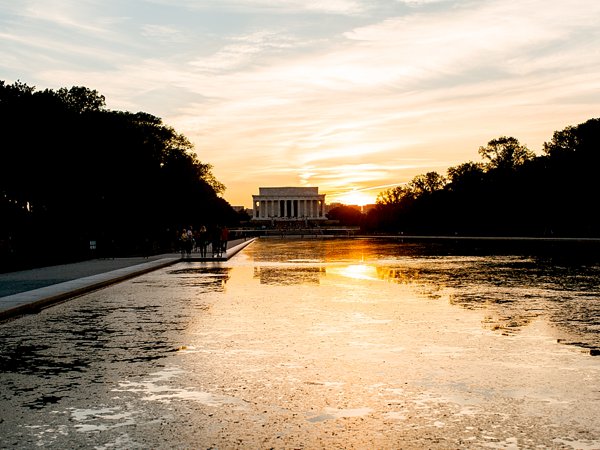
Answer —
73 171
510 192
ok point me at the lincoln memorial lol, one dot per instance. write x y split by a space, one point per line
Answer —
288 203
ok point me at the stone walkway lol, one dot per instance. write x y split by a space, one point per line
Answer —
28 291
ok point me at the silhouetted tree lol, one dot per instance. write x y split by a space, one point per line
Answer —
79 99
505 153
394 196
568 174
426 184
465 176
347 215
512 192
71 171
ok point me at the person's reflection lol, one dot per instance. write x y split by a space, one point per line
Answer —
213 278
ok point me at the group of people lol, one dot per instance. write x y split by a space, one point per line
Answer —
191 240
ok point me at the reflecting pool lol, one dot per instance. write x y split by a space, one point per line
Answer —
318 344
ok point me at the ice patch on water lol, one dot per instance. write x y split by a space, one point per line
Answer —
47 436
442 350
364 344
508 444
579 445
356 412
395 391
154 390
334 413
365 319
123 441
395 415
100 419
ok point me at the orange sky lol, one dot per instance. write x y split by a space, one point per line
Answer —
347 95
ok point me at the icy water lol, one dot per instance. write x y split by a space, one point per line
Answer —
318 344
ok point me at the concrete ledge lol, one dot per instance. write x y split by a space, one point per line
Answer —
37 299
237 248
33 301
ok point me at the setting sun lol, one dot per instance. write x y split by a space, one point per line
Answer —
354 197
267 99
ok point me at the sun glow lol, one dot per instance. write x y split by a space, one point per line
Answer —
357 271
354 197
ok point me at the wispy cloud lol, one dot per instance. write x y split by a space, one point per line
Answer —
281 6
270 95
243 51
164 33
66 14
331 6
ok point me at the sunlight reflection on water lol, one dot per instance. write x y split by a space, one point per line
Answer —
356 271
513 288
316 344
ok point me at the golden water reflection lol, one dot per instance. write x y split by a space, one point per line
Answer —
402 275
297 349
283 276
514 287
308 274
356 271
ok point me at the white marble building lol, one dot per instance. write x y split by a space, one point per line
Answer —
288 203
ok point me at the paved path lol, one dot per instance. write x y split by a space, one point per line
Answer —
28 291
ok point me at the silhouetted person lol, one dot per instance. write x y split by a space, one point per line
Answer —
183 239
216 242
202 241
224 239
189 243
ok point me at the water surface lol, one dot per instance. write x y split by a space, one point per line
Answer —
317 344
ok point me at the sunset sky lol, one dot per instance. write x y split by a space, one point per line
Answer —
352 96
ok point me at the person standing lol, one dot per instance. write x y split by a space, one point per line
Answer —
216 242
183 238
202 241
224 239
189 242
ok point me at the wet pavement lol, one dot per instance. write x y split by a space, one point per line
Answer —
315 344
